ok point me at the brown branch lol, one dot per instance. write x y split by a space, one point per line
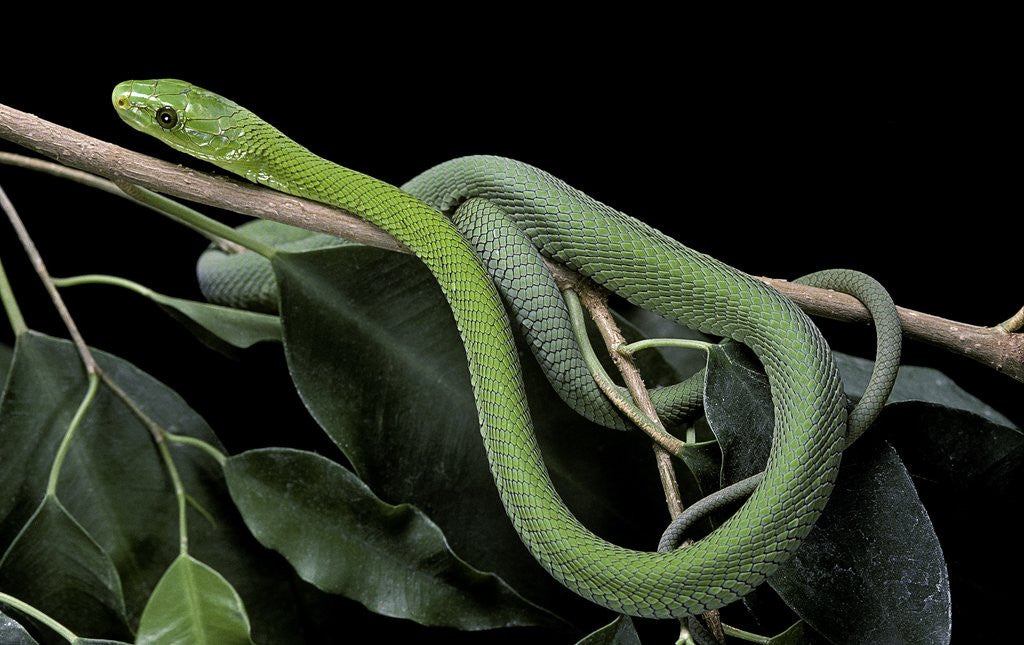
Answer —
991 346
98 157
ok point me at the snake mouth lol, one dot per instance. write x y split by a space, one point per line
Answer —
126 100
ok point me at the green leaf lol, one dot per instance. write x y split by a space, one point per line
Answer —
874 554
618 632
193 604
374 353
970 474
12 633
917 384
58 568
221 328
738 407
793 636
114 484
967 461
340 537
6 355
218 326
873 521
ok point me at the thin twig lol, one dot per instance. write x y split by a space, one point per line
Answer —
44 275
10 305
991 346
595 301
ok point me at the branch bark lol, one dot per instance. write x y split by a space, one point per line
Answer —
991 346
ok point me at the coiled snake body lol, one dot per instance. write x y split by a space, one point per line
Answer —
617 251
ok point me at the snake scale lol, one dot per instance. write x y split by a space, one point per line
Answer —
618 252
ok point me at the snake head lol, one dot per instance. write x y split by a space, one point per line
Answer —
188 118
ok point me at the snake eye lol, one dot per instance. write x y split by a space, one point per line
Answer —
167 117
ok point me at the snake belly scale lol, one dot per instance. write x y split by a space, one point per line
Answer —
617 251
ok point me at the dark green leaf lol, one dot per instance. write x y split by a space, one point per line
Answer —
339 536
56 567
920 384
193 604
792 636
12 633
6 354
970 475
618 632
967 461
115 485
874 555
375 355
221 328
850 553
738 406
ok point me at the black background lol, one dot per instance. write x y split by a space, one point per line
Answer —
780 161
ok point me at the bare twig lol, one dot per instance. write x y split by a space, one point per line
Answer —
44 275
595 301
991 346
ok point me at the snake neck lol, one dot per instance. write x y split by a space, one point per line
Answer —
264 155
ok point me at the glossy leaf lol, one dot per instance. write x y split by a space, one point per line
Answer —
193 604
917 384
375 355
738 406
12 633
618 632
55 566
339 536
874 519
875 555
970 474
116 487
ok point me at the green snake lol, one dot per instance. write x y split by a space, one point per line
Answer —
618 252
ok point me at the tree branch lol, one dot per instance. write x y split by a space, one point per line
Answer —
991 346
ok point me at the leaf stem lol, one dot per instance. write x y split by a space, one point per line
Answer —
744 635
10 305
65 444
31 611
160 437
193 219
179 494
1014 322
647 343
186 440
100 278
605 383
44 275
